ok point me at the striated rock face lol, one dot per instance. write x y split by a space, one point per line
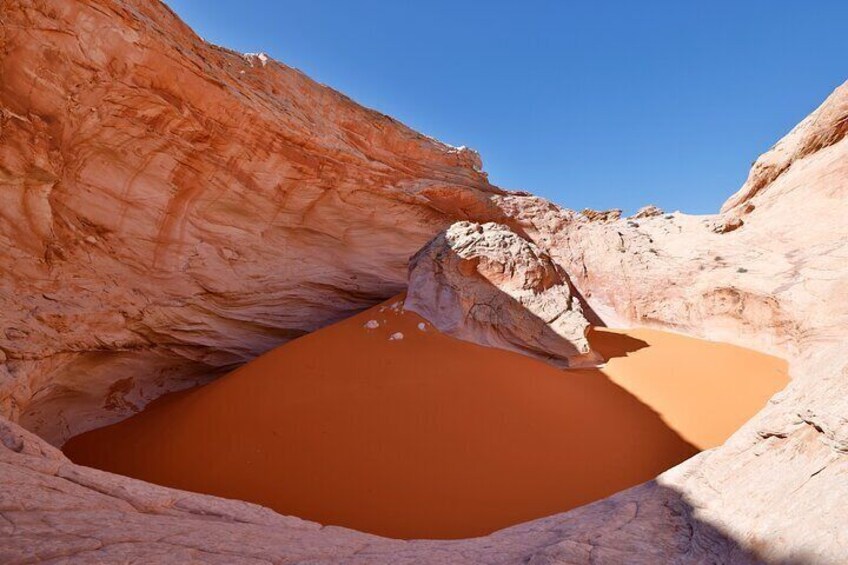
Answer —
170 209
827 126
486 284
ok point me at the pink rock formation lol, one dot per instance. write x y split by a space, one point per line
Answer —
827 126
486 284
170 209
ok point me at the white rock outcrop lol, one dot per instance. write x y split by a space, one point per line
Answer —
486 284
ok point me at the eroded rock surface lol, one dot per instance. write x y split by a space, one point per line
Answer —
486 284
826 126
170 209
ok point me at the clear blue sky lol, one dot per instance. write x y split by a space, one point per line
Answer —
591 104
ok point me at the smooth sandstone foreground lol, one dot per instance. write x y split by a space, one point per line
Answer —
381 423
172 209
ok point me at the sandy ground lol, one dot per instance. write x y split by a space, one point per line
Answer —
703 390
381 424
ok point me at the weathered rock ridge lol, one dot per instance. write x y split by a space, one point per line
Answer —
486 284
826 126
171 209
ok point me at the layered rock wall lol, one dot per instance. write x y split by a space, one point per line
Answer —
170 209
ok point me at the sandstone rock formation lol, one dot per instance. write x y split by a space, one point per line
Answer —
601 215
648 211
486 284
170 209
827 126
778 283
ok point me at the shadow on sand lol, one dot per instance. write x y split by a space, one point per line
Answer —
610 345
443 439
426 437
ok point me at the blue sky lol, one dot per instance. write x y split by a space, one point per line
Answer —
591 104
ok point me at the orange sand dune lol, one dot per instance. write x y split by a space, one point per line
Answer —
431 437
704 390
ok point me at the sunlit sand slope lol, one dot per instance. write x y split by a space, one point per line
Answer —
382 424
704 390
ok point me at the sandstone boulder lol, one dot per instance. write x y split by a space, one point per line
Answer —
727 223
485 283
